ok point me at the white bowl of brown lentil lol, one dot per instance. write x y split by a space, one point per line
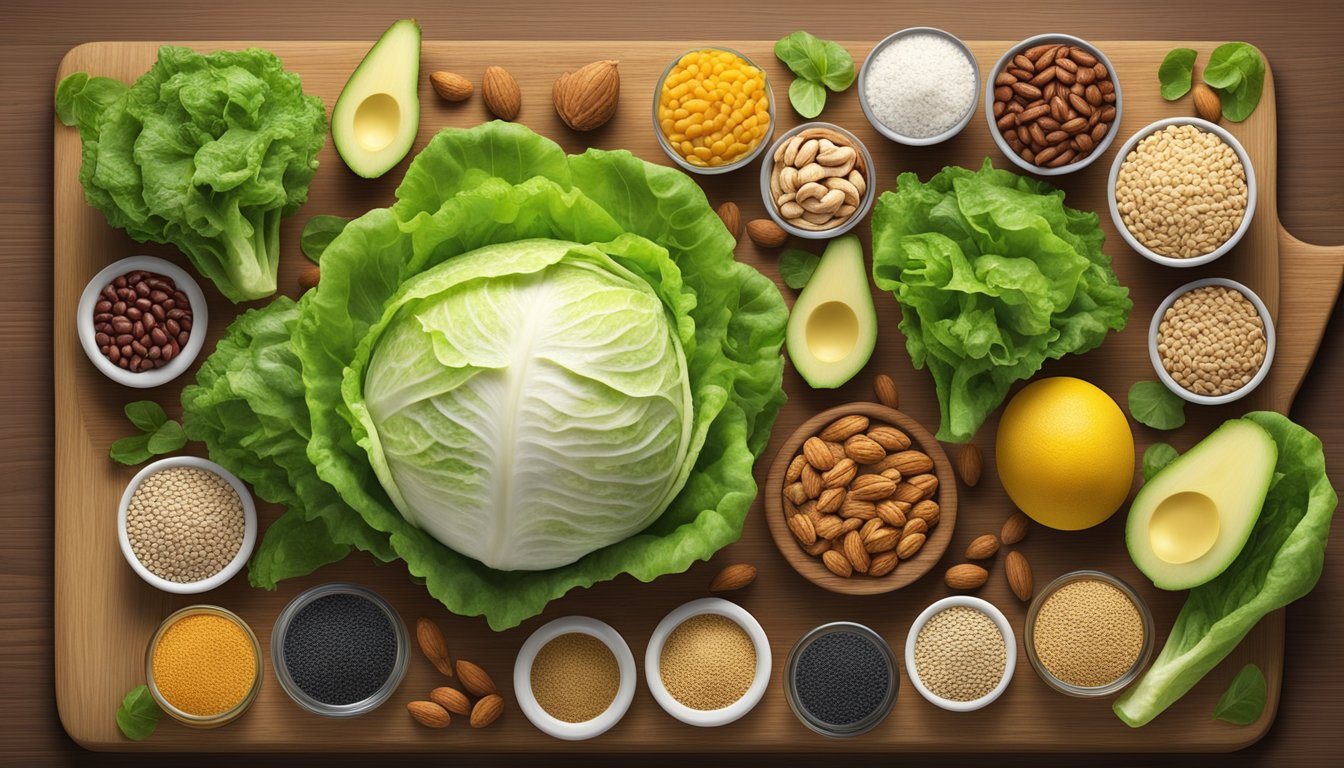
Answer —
708 662
179 531
1239 361
1208 224
967 658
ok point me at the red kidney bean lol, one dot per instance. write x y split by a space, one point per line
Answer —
141 321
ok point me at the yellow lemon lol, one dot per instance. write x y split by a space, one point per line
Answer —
1065 453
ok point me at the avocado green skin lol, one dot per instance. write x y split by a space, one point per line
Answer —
841 276
391 66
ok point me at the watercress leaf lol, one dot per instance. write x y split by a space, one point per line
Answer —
146 414
318 234
1177 69
796 267
1156 457
839 70
131 450
1244 699
803 54
1230 63
138 715
1153 404
808 98
167 438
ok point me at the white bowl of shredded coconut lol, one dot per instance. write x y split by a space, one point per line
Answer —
919 86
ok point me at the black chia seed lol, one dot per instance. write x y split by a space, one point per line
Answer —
841 678
340 649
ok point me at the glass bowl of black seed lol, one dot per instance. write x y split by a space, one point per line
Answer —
339 650
841 679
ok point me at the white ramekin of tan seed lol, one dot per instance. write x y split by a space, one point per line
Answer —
816 181
186 525
1182 191
1211 341
708 662
574 678
961 653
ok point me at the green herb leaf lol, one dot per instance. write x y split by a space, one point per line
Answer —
1156 457
131 450
318 234
807 98
796 267
1153 404
1176 72
146 414
138 715
803 54
1237 72
167 438
1244 699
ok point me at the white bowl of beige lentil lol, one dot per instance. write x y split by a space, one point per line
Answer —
1211 341
1182 191
186 525
574 678
961 653
708 662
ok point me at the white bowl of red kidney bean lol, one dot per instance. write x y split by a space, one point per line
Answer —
142 321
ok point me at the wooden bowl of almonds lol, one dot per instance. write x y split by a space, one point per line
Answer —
861 499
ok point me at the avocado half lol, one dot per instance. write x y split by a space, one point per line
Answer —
377 115
1192 519
833 325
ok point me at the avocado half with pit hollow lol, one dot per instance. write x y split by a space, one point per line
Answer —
1192 519
833 326
378 113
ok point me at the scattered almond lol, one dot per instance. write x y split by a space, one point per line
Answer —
970 464
474 679
487 710
451 86
732 219
501 93
451 699
1208 104
735 576
766 233
1018 571
885 387
309 277
1015 528
966 576
983 548
586 99
429 714
432 644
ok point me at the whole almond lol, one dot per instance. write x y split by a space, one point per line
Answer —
818 454
501 93
474 679
451 699
893 512
894 475
909 546
451 86
309 277
852 524
914 525
890 438
926 483
983 547
487 710
855 552
811 480
837 563
829 526
909 462
734 577
586 99
863 510
1208 104
766 233
908 493
802 529
831 500
926 510
1015 528
837 450
871 488
885 388
429 714
809 508
795 492
870 528
882 540
432 644
864 450
883 563
732 219
970 464
844 428
1018 572
841 474
795 470
966 576
816 550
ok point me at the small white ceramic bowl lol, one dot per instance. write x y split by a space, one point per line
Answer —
249 526
712 717
1186 394
200 318
865 204
1128 236
1106 141
666 143
882 127
1009 640
522 678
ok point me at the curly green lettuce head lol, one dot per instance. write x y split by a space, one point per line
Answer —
532 373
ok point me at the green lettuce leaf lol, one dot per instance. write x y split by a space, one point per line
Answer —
1280 563
994 275
1176 72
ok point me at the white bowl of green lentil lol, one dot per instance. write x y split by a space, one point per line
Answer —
187 544
702 646
927 660
1125 212
1204 343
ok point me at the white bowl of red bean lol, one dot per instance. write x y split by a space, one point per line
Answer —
133 324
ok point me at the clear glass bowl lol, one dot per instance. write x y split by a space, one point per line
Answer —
186 718
865 203
717 169
849 729
1115 686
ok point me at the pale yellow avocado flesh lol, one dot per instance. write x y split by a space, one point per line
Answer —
833 326
1192 519
377 115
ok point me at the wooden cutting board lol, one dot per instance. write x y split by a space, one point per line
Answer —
105 614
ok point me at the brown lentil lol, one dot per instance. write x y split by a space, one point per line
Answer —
960 654
1182 192
1054 104
1212 340
1088 633
141 321
204 664
575 677
708 662
185 524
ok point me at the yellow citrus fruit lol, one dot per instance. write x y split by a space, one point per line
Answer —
1065 453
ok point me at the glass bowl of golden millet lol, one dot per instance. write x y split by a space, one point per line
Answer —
713 110
1088 634
203 666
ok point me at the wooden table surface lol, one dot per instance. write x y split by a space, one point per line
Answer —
1300 39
